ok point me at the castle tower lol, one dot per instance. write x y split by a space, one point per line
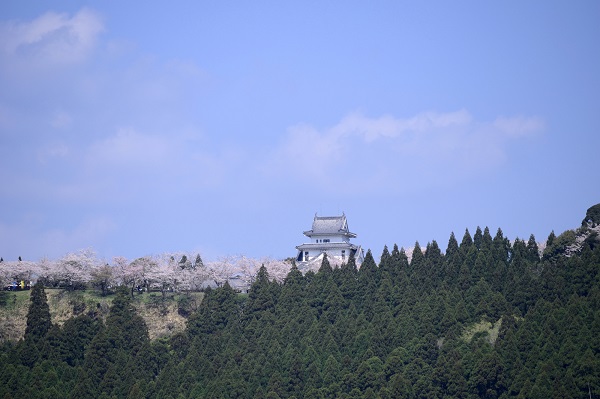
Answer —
330 235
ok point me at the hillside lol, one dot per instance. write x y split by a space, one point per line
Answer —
486 318
162 319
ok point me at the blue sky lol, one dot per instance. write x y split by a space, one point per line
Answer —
140 128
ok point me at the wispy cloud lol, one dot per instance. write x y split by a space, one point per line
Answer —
52 38
428 147
129 147
388 126
518 126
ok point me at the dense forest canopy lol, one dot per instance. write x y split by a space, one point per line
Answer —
486 318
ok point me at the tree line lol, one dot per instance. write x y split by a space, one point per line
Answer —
164 272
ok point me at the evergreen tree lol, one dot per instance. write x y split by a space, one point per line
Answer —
368 273
384 260
347 278
325 266
74 337
217 309
466 242
292 293
105 358
261 296
488 379
416 262
551 238
478 238
434 264
398 265
533 254
198 263
38 316
486 241
501 247
452 259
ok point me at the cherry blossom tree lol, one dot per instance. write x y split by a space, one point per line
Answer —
278 269
102 276
191 274
6 272
74 269
249 269
246 269
138 272
19 272
164 273
129 274
121 270
222 269
178 271
45 268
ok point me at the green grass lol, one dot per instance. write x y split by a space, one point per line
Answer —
15 299
483 327
13 315
163 318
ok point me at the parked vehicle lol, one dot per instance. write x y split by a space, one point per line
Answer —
18 286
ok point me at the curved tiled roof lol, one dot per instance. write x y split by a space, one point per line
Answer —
325 246
329 225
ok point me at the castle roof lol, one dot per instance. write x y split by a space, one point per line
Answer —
329 225
326 246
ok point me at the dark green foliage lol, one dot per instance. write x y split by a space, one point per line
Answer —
325 266
38 317
398 330
532 250
368 273
478 238
107 354
417 259
452 259
592 216
466 242
559 245
69 343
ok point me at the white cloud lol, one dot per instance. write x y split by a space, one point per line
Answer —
130 147
52 38
134 164
388 126
436 147
310 151
518 126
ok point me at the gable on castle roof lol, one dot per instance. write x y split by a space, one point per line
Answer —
329 225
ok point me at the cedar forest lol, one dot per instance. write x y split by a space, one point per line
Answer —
486 318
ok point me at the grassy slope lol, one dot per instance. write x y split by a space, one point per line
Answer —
485 327
162 319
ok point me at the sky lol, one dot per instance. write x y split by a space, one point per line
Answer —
139 128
